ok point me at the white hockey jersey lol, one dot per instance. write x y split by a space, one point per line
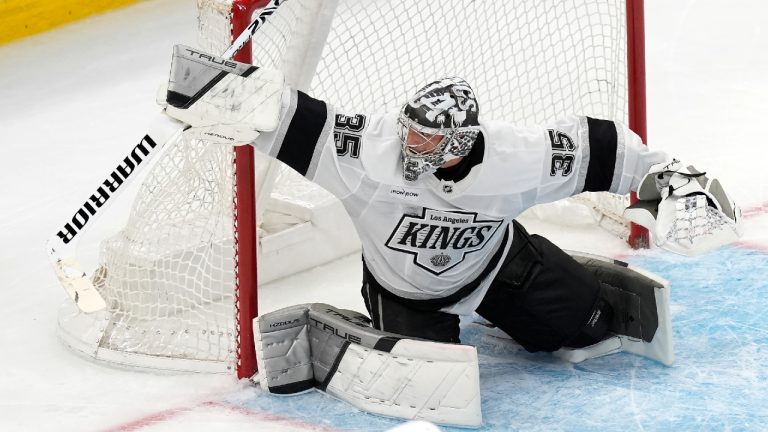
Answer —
432 239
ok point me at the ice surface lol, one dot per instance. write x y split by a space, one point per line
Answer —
73 98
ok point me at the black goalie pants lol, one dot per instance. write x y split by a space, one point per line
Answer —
541 297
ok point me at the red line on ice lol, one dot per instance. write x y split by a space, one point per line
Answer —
755 211
170 414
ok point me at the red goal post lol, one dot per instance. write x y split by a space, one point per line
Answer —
638 236
246 297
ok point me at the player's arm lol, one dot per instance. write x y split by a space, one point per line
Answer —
585 154
686 211
318 142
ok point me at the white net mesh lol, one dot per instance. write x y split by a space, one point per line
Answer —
168 276
529 61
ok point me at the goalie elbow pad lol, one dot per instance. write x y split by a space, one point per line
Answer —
685 211
222 100
318 346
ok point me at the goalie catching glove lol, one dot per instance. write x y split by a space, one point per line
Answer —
223 101
685 211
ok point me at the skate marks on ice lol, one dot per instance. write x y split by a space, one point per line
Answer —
719 380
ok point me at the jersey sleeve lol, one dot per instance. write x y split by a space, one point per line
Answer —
313 139
585 154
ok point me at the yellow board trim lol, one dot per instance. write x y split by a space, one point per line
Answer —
22 18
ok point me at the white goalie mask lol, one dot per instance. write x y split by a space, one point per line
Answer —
438 124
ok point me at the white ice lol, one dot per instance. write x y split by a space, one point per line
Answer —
73 98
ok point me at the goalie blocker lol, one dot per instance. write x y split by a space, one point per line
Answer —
336 351
223 101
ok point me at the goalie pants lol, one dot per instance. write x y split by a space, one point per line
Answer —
541 297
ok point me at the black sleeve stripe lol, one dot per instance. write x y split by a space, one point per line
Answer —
303 134
602 155
325 134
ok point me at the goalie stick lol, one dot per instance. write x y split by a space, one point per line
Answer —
62 246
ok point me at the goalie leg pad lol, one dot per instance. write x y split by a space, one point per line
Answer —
283 350
641 322
375 371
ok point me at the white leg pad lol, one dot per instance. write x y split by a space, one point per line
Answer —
661 348
336 351
416 380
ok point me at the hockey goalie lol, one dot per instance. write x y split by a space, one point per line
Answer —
433 192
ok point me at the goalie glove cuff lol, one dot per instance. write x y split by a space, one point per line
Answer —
221 134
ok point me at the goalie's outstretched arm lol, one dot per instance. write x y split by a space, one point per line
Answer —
686 211
583 154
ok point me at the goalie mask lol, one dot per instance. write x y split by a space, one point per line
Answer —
438 124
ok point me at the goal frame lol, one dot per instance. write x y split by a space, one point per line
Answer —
639 238
245 206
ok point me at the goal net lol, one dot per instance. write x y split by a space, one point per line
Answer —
176 282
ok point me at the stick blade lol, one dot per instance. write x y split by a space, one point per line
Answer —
78 286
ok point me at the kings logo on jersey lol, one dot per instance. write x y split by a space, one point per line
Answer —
440 240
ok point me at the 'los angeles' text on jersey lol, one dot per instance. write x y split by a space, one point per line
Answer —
439 240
